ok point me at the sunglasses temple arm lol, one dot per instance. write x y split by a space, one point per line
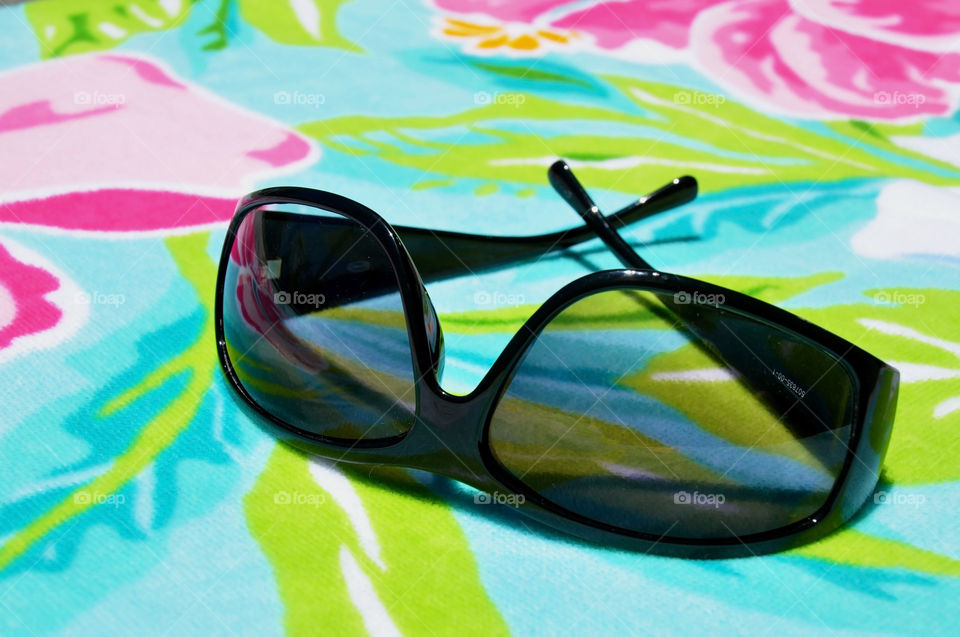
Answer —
442 254
672 195
569 187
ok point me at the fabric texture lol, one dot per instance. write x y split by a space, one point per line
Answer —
136 497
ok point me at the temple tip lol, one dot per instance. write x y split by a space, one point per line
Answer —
688 185
569 187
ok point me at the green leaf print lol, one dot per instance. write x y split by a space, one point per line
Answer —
364 550
67 27
723 143
304 22
196 362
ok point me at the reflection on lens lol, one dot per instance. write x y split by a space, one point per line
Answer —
683 420
314 325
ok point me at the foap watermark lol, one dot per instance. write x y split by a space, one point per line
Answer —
100 298
789 383
298 98
99 98
484 98
899 98
298 498
896 297
509 499
914 500
698 98
696 498
492 297
299 298
698 298
95 497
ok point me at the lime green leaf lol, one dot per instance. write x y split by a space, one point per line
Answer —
344 541
66 27
671 131
537 72
197 362
915 330
850 546
217 28
302 22
883 130
731 127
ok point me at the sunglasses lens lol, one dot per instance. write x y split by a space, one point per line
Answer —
314 325
671 415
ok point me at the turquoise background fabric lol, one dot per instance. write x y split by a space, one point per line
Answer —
137 498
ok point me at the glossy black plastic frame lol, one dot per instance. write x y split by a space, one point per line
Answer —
450 433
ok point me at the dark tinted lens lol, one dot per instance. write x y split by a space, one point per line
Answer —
315 327
670 415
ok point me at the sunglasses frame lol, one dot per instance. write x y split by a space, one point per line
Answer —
449 435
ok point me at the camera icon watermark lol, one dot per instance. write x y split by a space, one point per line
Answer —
696 498
899 98
85 497
698 98
493 297
915 500
301 499
98 98
698 298
509 499
896 297
99 298
299 298
298 98
484 98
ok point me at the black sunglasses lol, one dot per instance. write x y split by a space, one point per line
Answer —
634 408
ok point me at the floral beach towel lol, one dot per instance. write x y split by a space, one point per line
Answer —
136 497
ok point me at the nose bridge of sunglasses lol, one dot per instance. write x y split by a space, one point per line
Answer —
445 438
